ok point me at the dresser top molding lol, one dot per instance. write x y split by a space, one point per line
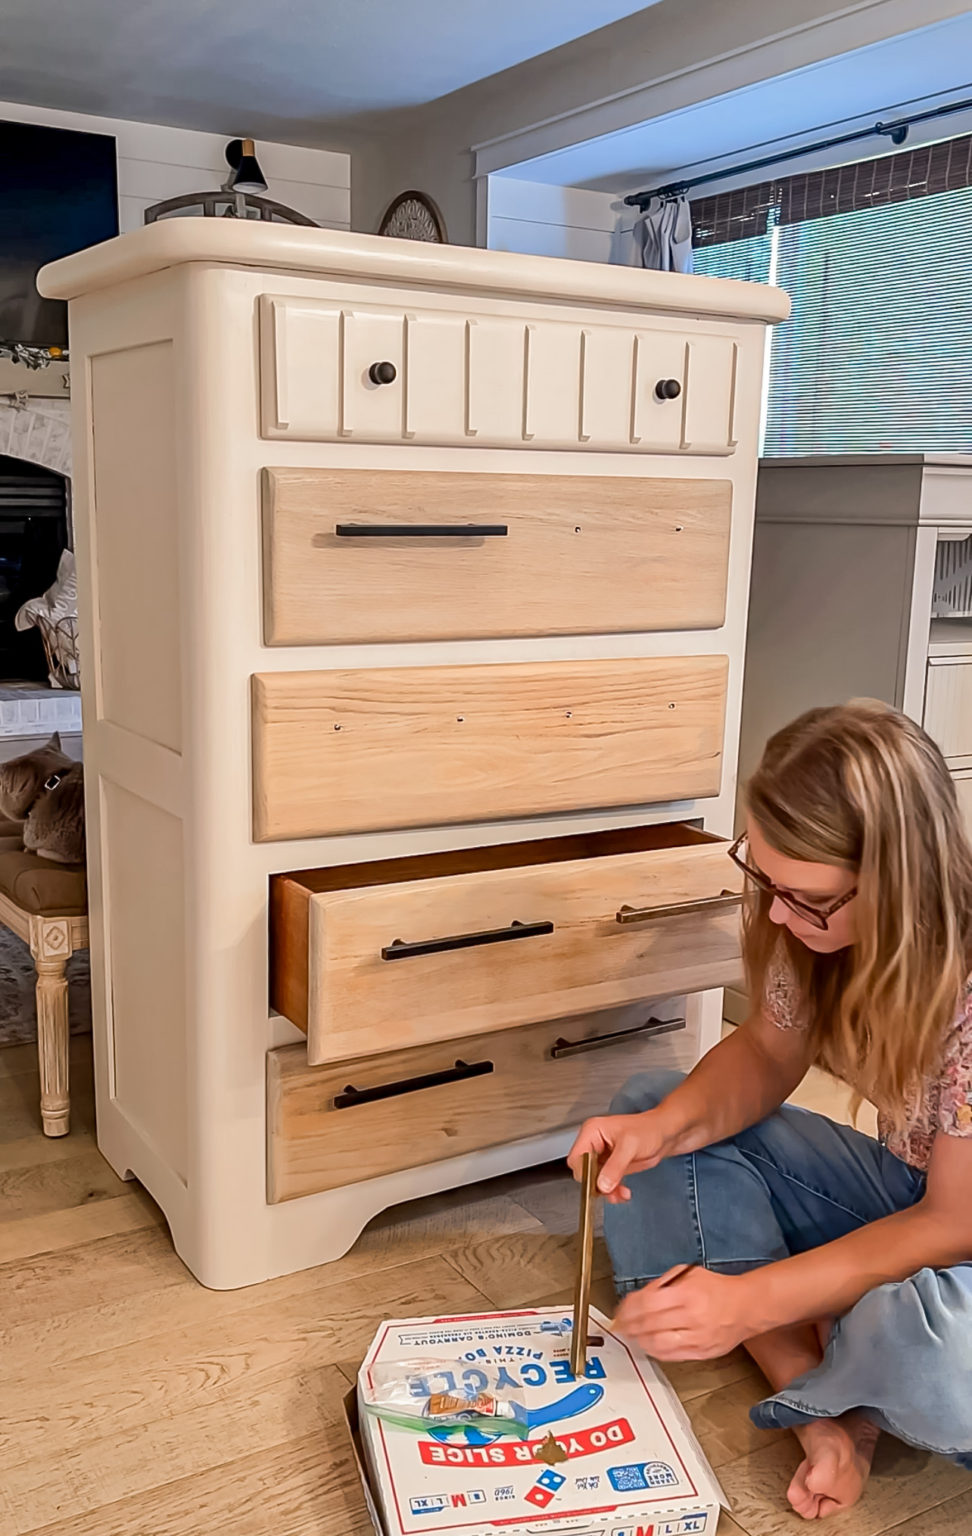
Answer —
334 253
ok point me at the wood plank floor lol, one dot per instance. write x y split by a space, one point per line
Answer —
135 1403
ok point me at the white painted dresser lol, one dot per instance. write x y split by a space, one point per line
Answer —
862 587
416 583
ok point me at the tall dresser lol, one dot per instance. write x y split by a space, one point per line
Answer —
415 587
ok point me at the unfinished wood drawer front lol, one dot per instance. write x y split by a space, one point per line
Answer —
375 957
333 1126
375 748
948 706
333 371
358 556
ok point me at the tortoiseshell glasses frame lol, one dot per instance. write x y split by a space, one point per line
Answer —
818 917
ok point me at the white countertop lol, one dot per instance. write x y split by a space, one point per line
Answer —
334 253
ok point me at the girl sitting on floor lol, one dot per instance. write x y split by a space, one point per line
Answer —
842 1263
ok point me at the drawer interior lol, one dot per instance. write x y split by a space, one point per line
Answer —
468 861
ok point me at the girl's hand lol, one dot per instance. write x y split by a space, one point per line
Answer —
622 1144
689 1314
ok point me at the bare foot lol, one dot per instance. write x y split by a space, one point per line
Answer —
837 1466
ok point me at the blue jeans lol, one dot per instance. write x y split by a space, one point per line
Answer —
791 1183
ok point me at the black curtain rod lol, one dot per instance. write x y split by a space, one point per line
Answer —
896 131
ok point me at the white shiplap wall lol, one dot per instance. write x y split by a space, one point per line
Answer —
156 162
535 219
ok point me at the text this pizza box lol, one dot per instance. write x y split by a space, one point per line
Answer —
611 1455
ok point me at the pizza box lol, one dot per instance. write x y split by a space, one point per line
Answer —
613 1455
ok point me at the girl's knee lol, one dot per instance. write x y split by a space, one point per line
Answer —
646 1090
924 1324
927 1317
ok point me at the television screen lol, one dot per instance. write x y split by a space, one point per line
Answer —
58 194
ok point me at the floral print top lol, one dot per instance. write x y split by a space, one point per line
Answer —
945 1102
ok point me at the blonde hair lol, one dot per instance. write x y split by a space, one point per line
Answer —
862 787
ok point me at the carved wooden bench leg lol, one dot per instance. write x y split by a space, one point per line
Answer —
51 947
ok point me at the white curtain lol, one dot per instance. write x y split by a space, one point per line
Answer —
659 238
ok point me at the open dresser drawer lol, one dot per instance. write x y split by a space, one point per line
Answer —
331 1126
379 957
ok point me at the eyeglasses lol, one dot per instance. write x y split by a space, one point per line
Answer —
818 917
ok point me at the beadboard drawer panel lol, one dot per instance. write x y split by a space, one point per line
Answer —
333 371
360 555
377 748
948 706
373 957
332 1126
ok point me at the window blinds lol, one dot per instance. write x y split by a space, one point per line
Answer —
913 173
877 356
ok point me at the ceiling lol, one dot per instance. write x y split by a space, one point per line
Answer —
852 90
276 70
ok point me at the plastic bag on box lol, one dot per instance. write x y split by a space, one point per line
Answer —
421 1394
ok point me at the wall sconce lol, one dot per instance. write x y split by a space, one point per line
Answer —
238 198
245 173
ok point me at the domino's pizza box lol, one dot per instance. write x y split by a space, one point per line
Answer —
476 1426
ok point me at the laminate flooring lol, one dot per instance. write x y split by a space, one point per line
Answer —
136 1403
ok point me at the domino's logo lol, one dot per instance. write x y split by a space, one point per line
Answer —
546 1487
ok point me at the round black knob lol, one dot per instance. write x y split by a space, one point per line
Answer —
668 389
383 373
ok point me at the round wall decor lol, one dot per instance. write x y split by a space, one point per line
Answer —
413 216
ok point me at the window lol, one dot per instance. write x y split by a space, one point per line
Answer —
748 260
877 355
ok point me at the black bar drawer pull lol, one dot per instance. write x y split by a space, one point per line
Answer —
723 903
457 1074
562 1048
421 530
398 949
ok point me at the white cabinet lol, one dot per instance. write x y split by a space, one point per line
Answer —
852 556
963 785
948 705
369 373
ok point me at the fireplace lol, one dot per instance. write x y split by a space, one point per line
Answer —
34 504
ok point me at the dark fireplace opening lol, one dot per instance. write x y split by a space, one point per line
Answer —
33 533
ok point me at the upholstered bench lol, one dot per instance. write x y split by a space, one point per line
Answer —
46 905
